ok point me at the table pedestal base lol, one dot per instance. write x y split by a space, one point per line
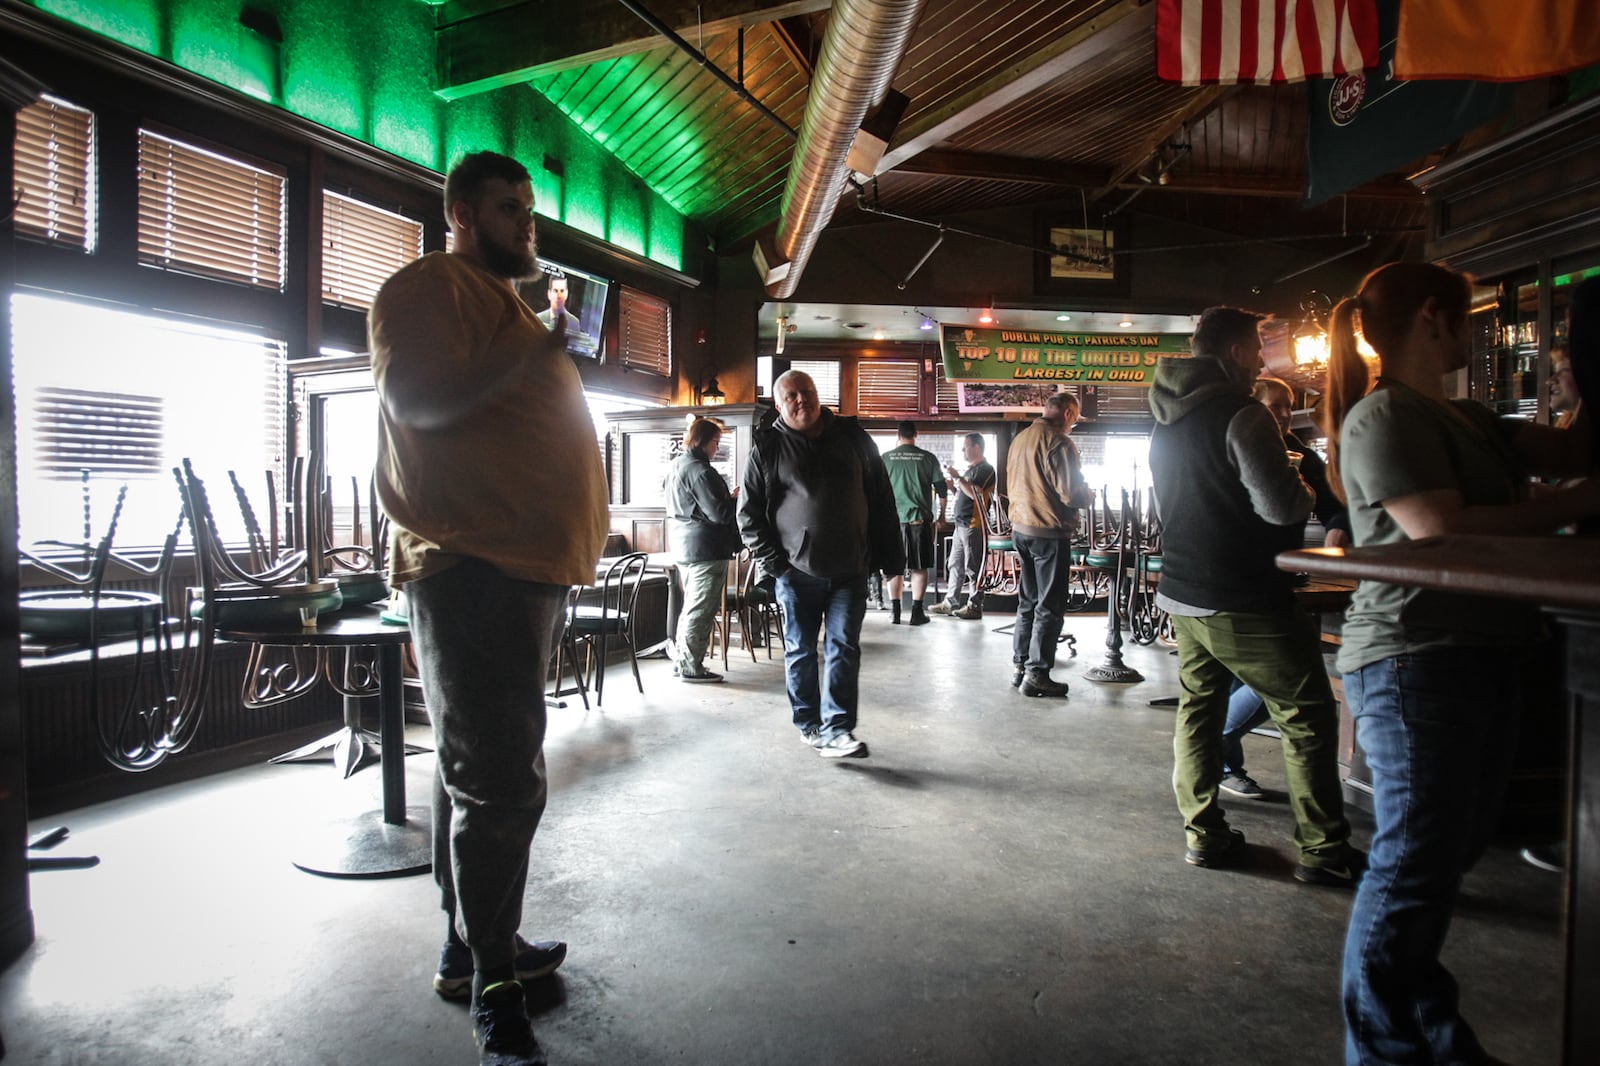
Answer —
367 846
352 746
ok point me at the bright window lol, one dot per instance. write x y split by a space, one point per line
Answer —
211 394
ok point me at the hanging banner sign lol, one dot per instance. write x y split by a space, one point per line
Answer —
972 353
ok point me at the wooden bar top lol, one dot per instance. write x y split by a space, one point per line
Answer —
1553 571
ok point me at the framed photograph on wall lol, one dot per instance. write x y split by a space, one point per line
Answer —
994 397
1088 262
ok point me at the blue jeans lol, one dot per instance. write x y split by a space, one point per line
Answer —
1246 710
1438 728
827 702
1044 566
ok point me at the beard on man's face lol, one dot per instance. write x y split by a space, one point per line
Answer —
508 261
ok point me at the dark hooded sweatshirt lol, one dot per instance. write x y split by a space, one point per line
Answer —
1228 498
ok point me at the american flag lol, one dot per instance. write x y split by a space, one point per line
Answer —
1225 42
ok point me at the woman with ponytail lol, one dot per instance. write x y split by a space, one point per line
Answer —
1426 673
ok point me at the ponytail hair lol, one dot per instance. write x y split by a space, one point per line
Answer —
1387 305
1347 381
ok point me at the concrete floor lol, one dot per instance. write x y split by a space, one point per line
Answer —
1002 882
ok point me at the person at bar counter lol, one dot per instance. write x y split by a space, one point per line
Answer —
1427 674
498 506
700 508
1230 501
1246 708
817 512
1044 480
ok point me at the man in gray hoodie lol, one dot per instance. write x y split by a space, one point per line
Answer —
1230 501
818 514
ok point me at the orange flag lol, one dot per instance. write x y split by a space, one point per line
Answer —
1495 40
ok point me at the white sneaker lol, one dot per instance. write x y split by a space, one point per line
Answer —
942 607
842 746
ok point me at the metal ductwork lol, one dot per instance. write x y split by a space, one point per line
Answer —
865 42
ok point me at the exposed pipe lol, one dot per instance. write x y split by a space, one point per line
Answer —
863 46
711 68
945 227
925 257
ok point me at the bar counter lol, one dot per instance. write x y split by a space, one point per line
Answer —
1562 575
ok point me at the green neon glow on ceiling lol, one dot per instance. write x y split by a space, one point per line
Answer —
1576 276
366 70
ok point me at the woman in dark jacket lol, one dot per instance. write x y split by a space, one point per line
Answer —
700 508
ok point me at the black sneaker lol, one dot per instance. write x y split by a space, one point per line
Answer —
1217 857
919 617
1016 677
698 676
1241 786
536 959
894 615
1344 875
500 1026
1042 685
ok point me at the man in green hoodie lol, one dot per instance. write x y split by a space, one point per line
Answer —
1230 501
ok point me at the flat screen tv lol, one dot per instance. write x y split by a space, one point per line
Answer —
575 293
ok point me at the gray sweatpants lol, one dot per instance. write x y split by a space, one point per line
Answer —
483 644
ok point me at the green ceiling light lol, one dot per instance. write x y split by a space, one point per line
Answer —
625 222
136 23
586 203
397 134
260 54
469 127
327 105
665 244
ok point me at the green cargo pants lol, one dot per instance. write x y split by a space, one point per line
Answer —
1279 655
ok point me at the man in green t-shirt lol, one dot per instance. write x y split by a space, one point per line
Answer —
915 475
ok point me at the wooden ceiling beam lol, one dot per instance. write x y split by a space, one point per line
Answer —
1258 185
1125 24
987 167
478 48
1195 107
791 48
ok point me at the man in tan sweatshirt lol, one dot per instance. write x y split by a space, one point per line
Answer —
498 502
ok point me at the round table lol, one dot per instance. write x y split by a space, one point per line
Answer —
398 840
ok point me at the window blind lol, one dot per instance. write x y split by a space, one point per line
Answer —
53 162
644 323
361 246
886 387
106 433
947 394
824 374
206 214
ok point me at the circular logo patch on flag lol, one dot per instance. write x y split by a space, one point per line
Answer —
1345 96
